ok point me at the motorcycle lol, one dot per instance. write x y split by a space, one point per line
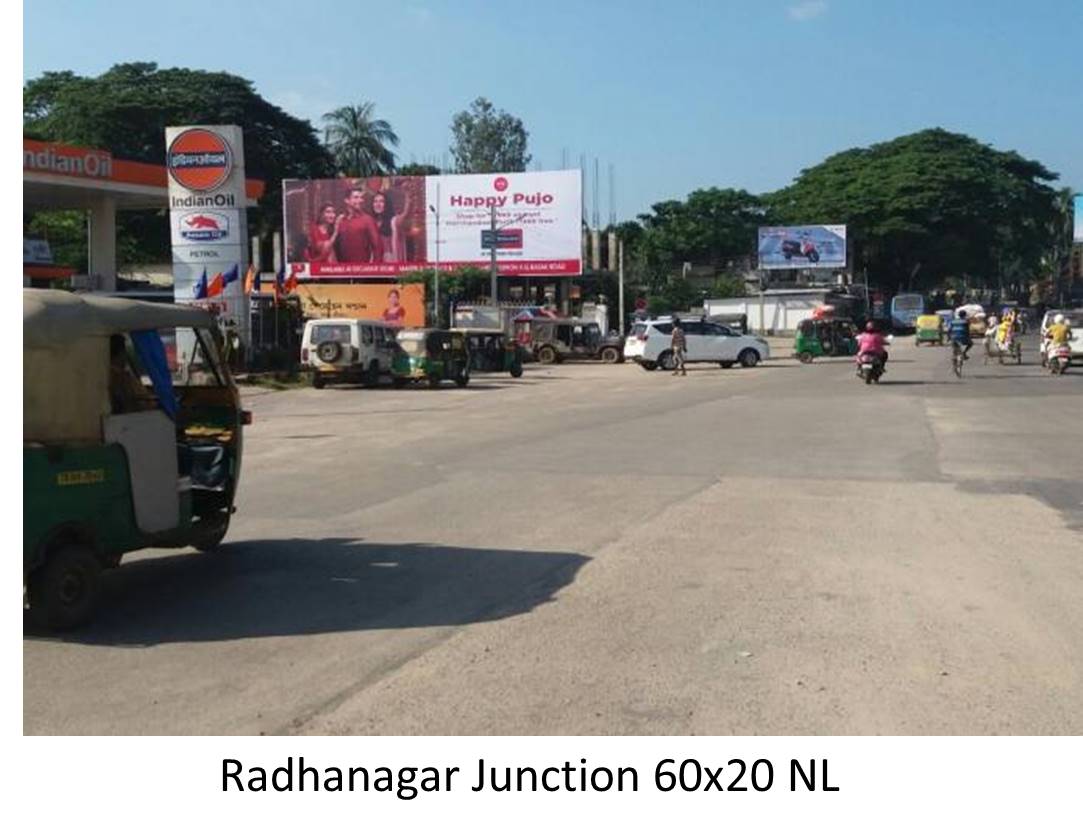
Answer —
800 249
1058 358
870 367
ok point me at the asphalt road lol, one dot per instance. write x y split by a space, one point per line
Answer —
598 549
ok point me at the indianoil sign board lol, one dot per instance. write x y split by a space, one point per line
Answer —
209 228
384 226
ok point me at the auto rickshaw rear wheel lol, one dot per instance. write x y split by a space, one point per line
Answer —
516 370
805 357
546 355
64 591
462 379
610 355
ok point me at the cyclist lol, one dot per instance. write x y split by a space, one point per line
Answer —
959 334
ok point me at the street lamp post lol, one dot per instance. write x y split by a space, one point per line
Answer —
493 229
436 266
492 253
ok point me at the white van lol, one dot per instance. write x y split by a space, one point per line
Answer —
347 350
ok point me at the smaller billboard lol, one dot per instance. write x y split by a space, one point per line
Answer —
802 247
400 305
1077 233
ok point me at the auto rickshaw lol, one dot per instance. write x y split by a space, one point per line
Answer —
430 355
930 329
491 351
131 439
824 337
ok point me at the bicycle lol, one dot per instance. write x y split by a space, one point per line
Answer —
958 357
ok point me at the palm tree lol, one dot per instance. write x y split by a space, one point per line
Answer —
359 142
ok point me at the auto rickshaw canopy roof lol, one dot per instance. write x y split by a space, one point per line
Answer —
52 318
66 358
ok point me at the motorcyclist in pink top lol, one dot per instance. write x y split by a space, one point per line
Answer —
871 341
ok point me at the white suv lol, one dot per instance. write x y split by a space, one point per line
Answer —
648 344
347 350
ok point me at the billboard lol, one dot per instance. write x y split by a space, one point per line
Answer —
400 305
208 224
383 226
1077 229
802 247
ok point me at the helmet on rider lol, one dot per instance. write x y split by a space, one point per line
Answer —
1067 323
960 314
1058 318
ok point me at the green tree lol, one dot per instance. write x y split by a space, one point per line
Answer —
486 140
359 142
713 227
929 205
127 108
417 169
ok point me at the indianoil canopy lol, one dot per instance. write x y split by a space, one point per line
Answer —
380 227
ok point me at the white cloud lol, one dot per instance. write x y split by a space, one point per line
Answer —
807 10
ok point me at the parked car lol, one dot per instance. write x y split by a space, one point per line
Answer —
554 340
648 344
347 350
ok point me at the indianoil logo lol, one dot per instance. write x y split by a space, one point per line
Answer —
199 160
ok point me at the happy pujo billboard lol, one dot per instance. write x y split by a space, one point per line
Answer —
384 226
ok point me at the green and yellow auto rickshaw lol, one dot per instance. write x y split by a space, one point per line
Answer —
131 439
432 356
491 351
929 329
824 337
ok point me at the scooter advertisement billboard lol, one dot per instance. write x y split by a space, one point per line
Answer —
381 227
802 247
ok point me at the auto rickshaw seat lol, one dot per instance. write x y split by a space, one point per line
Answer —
148 439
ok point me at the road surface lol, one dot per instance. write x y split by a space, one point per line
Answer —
598 549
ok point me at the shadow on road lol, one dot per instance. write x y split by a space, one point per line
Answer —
316 586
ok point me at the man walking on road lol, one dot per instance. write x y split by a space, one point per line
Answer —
677 345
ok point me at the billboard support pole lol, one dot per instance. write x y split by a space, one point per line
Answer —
492 253
763 287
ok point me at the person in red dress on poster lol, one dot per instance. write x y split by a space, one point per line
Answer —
322 236
394 314
389 223
358 239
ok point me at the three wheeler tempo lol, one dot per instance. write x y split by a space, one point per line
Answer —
431 356
824 337
132 438
491 351
929 329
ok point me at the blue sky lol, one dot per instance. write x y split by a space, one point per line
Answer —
675 95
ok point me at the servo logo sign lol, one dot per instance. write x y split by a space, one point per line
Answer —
201 226
199 160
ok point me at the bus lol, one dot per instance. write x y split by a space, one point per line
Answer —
905 308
